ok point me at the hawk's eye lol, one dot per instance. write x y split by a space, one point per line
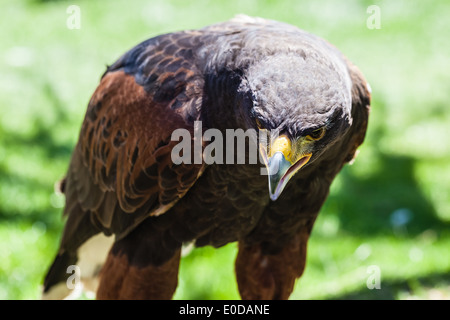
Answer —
316 134
258 123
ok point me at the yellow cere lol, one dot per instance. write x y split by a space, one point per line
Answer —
281 144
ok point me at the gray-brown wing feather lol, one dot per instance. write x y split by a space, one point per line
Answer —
121 170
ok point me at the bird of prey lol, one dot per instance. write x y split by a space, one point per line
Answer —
130 207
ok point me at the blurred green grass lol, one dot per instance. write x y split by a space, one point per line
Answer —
390 209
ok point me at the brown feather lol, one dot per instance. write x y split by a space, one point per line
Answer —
263 276
124 135
122 181
120 280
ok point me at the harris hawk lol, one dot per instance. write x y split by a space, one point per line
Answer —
130 207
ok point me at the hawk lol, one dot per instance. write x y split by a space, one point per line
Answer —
130 207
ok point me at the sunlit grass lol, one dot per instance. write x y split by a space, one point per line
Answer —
390 209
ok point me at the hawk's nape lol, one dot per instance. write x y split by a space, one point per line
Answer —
130 207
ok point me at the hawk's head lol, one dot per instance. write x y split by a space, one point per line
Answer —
304 102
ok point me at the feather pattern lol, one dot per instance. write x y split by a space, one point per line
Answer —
122 181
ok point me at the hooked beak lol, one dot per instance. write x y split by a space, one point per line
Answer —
281 166
281 171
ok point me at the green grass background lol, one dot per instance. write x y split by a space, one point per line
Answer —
390 209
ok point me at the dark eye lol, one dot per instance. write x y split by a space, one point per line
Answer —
316 134
258 123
